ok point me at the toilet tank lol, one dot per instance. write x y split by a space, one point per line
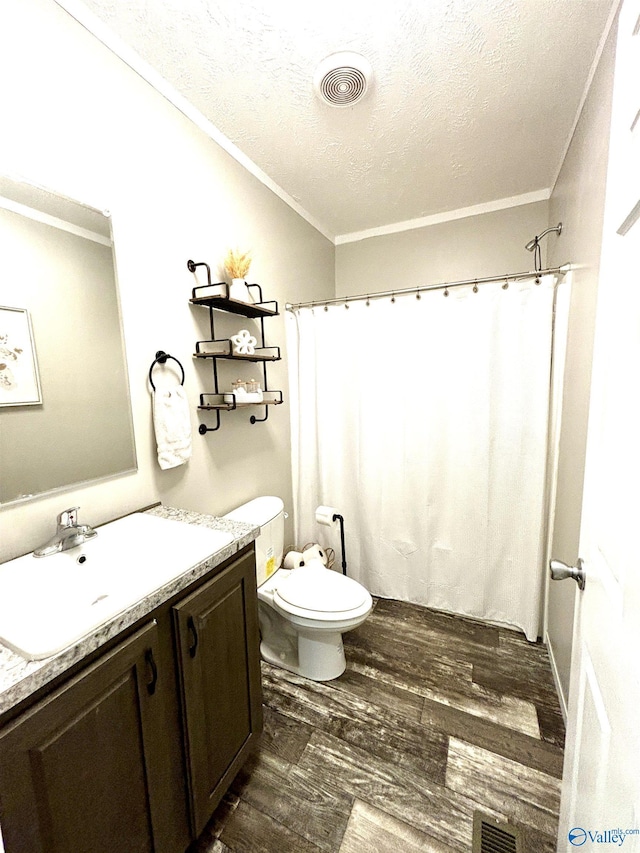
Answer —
267 513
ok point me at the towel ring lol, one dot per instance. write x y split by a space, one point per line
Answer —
161 358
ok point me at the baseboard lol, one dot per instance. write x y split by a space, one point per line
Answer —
554 670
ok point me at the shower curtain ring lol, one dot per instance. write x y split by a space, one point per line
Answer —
418 294
446 290
505 286
475 286
393 297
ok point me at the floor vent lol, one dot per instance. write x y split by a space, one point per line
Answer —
490 836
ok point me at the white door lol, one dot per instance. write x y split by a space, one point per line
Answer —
601 787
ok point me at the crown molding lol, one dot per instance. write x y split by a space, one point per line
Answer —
445 216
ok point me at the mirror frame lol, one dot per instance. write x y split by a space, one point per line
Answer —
46 206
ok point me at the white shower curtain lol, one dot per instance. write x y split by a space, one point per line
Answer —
424 421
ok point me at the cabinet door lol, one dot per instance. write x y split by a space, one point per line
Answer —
218 657
81 771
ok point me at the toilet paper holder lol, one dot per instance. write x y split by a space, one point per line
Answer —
342 545
326 515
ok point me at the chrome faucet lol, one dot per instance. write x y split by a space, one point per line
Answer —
68 534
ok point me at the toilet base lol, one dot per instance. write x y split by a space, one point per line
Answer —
320 656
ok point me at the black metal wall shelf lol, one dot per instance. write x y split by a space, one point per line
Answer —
213 402
224 349
215 297
234 306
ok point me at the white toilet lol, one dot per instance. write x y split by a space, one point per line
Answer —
303 612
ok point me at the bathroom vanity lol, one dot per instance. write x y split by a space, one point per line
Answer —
127 741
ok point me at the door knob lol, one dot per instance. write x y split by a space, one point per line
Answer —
560 571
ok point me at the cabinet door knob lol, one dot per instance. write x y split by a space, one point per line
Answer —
193 648
151 686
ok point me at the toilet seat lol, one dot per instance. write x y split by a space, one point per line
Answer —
314 587
316 593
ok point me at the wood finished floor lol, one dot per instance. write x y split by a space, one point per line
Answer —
435 717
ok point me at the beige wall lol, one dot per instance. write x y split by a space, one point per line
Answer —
477 246
77 119
578 201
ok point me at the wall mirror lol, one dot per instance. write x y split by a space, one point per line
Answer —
65 410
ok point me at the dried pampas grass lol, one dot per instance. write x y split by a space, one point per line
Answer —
237 263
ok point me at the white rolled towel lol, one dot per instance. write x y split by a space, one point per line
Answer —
244 343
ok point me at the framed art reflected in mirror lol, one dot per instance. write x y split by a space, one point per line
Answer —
19 379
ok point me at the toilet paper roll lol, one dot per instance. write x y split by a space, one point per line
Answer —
315 552
314 563
324 515
293 560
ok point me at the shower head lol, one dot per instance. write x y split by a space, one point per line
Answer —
531 245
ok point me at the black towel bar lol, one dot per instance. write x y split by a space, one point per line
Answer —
161 358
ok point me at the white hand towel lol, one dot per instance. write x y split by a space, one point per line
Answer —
172 423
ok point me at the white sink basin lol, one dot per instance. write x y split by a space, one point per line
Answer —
48 603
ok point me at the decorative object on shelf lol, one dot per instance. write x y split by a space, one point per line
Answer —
237 265
244 343
243 392
242 397
239 291
171 419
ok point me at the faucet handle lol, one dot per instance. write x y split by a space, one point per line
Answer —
69 517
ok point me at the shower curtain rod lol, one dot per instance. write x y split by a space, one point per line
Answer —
518 276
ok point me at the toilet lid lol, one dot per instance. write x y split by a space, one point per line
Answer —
314 587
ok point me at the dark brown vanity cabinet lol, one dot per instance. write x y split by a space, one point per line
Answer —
133 753
83 769
220 675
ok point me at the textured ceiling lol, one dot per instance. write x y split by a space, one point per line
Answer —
473 100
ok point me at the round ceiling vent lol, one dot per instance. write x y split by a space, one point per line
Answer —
342 79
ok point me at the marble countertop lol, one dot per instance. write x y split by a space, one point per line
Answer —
20 678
